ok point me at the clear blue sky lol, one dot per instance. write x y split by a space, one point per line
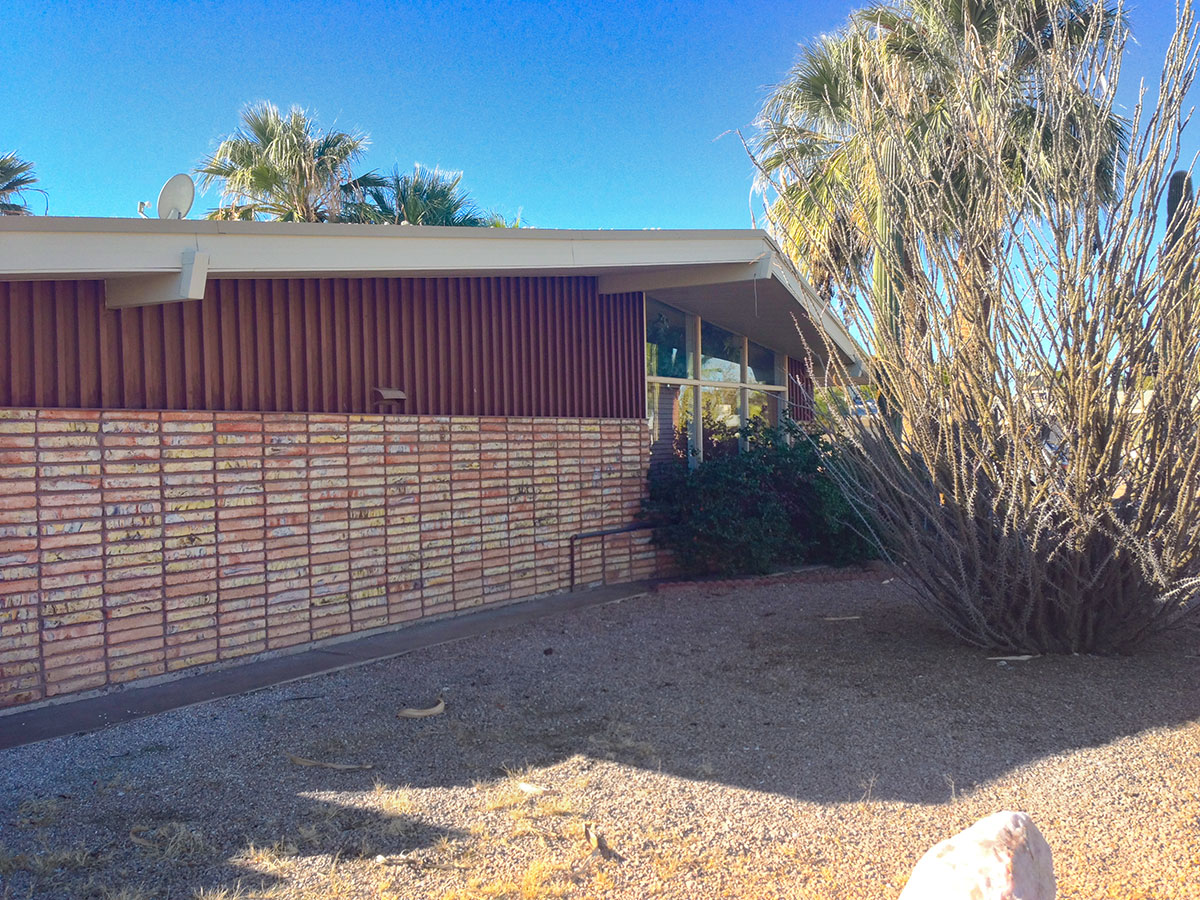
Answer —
582 115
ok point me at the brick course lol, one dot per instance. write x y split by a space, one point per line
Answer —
136 544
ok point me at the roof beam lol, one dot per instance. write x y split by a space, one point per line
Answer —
151 290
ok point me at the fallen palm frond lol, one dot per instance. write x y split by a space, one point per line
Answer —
135 836
436 710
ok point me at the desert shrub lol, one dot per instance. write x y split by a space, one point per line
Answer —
769 506
989 224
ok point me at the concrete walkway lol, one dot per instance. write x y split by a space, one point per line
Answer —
25 726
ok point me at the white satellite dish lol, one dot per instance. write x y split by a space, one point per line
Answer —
176 196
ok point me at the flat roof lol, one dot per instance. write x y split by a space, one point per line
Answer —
737 278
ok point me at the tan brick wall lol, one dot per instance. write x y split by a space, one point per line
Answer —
136 544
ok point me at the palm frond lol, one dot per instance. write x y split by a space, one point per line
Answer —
16 178
920 61
281 166
421 197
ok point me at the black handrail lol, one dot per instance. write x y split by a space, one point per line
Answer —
583 535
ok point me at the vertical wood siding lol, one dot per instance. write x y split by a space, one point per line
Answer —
800 391
512 346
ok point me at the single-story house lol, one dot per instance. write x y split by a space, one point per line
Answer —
225 439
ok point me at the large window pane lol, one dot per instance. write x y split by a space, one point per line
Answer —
763 408
760 365
720 354
720 417
670 409
666 341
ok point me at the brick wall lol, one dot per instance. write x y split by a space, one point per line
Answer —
135 544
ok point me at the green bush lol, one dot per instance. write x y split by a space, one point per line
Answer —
770 506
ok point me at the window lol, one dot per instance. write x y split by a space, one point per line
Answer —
760 364
670 408
666 341
704 384
721 420
764 407
720 354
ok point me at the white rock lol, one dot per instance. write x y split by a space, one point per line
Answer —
1001 857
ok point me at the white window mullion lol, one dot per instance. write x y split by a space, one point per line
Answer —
744 395
696 432
781 377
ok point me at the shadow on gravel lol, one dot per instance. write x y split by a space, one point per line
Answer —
219 843
821 692
818 690
814 690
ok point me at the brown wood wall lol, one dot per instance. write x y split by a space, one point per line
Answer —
457 346
800 391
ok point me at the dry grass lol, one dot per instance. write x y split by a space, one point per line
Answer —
48 862
541 879
126 892
175 841
392 801
238 892
273 859
39 812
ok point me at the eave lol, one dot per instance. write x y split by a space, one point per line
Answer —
736 278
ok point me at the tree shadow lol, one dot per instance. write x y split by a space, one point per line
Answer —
201 836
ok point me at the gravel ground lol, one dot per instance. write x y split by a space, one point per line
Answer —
805 736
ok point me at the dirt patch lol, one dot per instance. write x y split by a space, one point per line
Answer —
804 736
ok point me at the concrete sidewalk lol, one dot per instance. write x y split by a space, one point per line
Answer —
25 726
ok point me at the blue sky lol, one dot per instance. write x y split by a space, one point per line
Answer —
581 115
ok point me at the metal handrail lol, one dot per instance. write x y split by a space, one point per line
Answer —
584 535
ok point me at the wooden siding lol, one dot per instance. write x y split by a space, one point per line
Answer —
512 346
800 391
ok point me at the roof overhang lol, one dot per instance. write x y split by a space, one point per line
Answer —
737 278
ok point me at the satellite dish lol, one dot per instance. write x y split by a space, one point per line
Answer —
176 196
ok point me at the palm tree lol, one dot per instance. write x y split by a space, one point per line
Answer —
420 197
16 177
822 155
282 167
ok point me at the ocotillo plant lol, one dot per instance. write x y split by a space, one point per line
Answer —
1041 495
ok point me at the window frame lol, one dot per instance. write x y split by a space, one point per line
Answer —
744 387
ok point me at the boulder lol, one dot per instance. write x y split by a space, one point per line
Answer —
1001 857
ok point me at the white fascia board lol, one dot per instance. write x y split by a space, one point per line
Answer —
696 248
82 254
78 248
